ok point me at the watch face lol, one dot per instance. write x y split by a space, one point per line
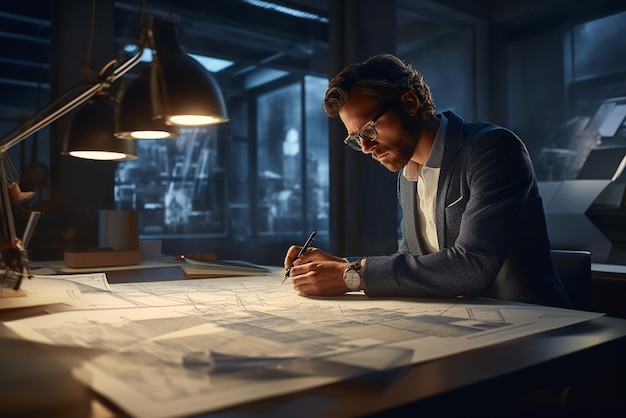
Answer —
352 280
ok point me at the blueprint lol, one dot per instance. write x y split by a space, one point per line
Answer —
49 290
187 347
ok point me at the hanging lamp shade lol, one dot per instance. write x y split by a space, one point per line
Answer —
90 134
135 119
184 93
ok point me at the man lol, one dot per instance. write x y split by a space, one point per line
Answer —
473 221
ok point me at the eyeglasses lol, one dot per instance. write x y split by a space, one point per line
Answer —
367 132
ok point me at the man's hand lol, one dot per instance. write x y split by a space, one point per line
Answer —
316 273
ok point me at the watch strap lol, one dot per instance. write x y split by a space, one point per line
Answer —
356 266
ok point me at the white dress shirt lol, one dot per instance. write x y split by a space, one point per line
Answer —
427 179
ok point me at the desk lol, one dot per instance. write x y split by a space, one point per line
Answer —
36 379
609 289
515 379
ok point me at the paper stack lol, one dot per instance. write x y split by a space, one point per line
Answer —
196 269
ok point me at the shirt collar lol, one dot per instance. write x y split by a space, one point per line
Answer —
412 170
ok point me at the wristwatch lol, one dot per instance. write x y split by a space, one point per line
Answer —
352 278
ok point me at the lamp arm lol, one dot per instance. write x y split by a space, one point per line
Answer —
83 97
14 265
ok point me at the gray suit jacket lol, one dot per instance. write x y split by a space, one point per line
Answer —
490 224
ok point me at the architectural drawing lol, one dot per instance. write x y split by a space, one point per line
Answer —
186 347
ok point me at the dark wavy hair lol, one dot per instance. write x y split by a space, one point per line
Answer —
383 77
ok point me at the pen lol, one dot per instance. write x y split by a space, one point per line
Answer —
305 247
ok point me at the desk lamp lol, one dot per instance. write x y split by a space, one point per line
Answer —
206 108
183 92
90 134
135 118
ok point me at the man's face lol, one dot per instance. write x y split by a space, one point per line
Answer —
394 146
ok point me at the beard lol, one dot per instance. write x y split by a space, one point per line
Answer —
397 157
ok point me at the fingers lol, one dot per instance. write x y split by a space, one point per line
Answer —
292 254
318 278
315 272
292 258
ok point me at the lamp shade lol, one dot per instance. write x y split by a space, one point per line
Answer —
90 134
183 92
135 119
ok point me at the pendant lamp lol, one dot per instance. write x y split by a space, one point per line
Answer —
91 133
184 93
135 119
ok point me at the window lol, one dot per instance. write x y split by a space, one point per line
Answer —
595 87
177 186
589 59
292 160
251 187
280 161
181 188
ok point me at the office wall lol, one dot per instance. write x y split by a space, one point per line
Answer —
536 88
363 208
78 188
448 70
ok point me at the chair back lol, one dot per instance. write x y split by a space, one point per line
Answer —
574 269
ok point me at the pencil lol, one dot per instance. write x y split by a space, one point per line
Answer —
302 250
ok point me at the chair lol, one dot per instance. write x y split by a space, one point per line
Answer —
574 269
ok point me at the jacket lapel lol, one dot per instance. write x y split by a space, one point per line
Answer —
454 141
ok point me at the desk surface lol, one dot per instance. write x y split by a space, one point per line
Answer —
36 378
617 269
492 381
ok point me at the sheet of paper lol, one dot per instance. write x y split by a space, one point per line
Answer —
79 291
195 346
88 283
41 291
221 268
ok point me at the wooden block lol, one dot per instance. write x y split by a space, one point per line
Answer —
80 259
